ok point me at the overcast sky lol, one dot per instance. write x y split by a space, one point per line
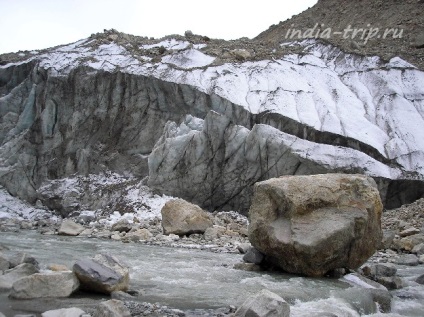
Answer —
36 24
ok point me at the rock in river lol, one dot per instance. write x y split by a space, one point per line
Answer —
102 274
57 284
181 217
310 225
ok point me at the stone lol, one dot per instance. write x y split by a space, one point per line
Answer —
244 247
390 282
122 225
420 279
421 259
39 285
12 275
120 295
115 236
311 225
362 281
418 249
64 312
214 232
58 267
383 298
241 54
253 256
183 218
249 267
19 258
363 303
112 308
139 235
382 269
86 232
102 274
408 259
70 228
387 240
419 40
264 304
409 232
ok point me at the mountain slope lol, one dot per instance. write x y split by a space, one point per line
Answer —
403 22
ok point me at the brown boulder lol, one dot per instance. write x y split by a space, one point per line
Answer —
311 225
183 218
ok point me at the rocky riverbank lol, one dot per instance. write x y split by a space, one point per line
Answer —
401 247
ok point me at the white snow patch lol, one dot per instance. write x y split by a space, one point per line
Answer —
354 96
12 207
171 44
397 62
188 59
199 46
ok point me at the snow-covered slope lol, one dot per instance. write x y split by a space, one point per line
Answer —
379 104
98 105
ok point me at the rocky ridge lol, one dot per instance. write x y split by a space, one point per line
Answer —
404 18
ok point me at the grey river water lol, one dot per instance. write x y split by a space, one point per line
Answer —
194 279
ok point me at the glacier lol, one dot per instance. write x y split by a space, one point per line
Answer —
332 111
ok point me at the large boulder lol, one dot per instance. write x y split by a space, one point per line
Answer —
183 218
102 274
311 225
264 304
39 285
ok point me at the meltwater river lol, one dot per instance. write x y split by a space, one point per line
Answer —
194 279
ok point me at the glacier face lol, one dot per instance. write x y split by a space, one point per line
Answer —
84 107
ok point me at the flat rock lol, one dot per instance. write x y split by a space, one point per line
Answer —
112 308
390 282
408 259
12 275
39 285
65 312
409 232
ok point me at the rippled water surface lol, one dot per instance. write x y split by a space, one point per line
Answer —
189 279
